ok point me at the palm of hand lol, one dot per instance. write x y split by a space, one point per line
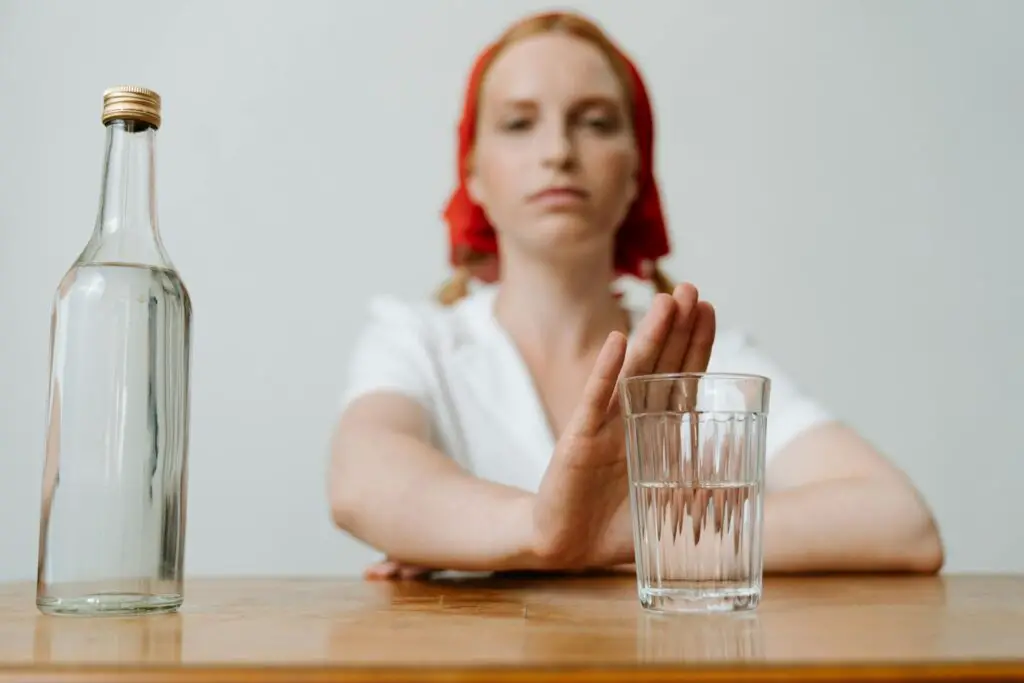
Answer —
582 513
581 498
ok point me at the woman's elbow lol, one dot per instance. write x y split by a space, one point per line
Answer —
343 510
918 545
343 492
925 551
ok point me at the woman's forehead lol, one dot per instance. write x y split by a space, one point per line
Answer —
550 66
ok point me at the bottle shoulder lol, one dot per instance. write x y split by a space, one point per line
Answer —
114 281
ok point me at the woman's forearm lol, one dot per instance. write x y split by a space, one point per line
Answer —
395 493
855 524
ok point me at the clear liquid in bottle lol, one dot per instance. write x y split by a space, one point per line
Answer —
112 527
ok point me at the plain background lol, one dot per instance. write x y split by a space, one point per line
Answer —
844 180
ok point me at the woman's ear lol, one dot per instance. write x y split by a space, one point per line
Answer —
474 189
473 185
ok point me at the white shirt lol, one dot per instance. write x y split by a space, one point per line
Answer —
463 368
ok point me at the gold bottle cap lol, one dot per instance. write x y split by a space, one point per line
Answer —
131 103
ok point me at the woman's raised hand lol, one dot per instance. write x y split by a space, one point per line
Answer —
581 513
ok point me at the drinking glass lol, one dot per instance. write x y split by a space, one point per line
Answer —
695 446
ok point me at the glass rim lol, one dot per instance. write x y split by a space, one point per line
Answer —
662 376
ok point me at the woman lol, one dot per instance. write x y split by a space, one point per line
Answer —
481 432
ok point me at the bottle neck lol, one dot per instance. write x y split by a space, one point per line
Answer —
126 229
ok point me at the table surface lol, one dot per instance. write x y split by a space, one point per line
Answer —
541 628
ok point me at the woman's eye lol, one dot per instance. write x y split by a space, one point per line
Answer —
513 125
602 124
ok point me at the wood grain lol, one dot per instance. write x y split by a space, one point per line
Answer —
541 628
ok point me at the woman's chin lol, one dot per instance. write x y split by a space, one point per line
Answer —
568 245
565 229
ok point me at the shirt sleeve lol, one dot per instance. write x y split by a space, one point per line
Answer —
392 353
790 410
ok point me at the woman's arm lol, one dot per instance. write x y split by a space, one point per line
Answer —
392 490
835 504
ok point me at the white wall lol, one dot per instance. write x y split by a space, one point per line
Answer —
843 181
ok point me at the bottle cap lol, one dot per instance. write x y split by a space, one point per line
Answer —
131 103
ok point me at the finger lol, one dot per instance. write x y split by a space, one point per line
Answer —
676 464
718 497
740 514
672 353
648 340
697 514
727 511
592 410
408 573
645 347
702 339
381 570
677 505
719 464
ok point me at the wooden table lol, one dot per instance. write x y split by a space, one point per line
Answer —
569 629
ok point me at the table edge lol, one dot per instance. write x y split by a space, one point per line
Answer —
989 670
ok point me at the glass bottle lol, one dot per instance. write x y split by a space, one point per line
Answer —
112 523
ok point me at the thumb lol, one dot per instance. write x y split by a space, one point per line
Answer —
592 410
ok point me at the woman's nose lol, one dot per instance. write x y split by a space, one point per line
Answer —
557 147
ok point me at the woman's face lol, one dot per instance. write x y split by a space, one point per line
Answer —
554 161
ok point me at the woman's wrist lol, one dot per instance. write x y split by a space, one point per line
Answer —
524 536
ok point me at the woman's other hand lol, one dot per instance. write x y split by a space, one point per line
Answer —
391 570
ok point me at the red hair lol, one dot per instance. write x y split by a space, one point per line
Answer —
641 239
